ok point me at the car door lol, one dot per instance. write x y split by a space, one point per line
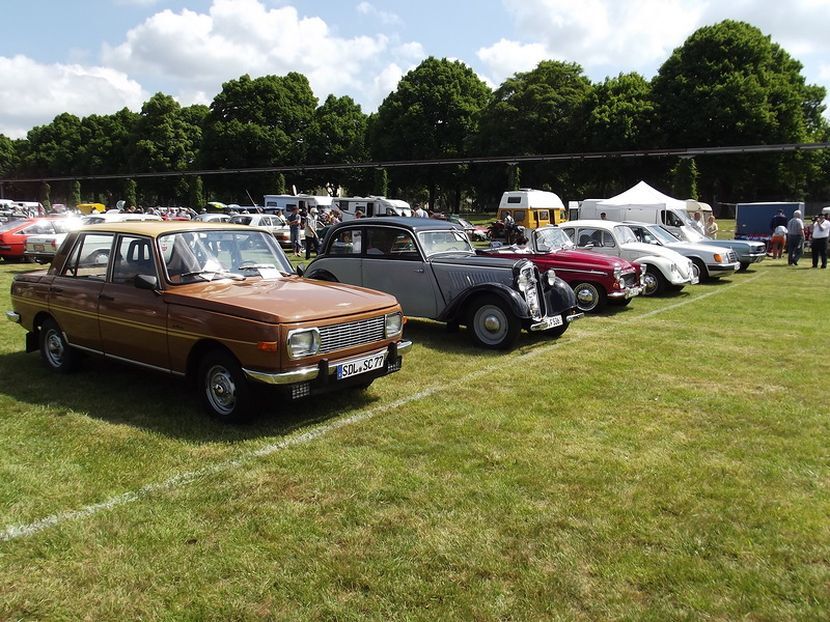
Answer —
74 295
343 256
392 263
133 321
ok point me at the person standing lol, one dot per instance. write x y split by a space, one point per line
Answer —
777 241
821 231
711 227
293 220
420 212
795 238
311 238
698 223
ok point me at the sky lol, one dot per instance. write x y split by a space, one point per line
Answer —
98 56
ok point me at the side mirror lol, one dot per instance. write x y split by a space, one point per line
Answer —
146 281
300 270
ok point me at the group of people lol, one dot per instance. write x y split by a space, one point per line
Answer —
793 232
311 221
709 228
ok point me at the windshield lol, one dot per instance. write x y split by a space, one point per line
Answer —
444 241
624 234
692 234
551 239
661 234
216 253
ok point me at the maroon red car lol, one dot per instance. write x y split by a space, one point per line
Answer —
596 279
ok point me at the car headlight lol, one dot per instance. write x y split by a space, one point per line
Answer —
303 342
525 280
617 271
393 324
551 277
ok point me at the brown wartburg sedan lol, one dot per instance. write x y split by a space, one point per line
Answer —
216 303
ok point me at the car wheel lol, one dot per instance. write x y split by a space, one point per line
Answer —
653 282
492 324
54 349
223 388
99 257
589 297
699 270
744 266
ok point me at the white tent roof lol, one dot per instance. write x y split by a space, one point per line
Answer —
642 194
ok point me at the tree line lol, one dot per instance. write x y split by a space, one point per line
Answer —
728 84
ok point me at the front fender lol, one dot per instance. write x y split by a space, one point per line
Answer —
560 297
661 263
517 304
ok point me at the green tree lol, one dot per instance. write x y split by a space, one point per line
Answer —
8 156
52 149
540 111
729 84
130 193
381 182
75 195
197 193
257 122
338 136
684 179
46 195
432 114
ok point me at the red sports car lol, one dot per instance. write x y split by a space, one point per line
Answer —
13 235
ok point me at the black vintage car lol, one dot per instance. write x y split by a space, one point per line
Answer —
432 269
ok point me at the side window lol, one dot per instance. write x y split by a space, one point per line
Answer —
389 243
671 219
346 242
589 236
89 258
133 256
569 232
519 215
543 215
608 239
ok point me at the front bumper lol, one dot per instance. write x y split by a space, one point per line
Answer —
13 316
321 372
723 268
625 294
553 321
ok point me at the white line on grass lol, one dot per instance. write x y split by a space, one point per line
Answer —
14 532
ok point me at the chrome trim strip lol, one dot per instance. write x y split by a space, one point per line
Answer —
13 316
574 316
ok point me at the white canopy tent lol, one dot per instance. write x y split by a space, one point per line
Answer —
642 195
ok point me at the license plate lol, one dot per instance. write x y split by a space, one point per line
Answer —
360 366
39 247
548 322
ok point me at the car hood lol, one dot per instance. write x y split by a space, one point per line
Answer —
653 249
282 300
571 258
694 247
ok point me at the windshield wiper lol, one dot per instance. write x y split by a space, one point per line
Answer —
213 274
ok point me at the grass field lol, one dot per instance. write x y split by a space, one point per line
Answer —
666 461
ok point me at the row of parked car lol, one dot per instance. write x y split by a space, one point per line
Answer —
221 304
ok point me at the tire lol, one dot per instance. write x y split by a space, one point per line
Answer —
99 257
744 266
58 355
223 389
702 273
590 297
492 323
654 281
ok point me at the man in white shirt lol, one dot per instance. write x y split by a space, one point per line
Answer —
821 231
420 212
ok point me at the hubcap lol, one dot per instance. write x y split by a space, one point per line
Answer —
650 282
54 348
586 297
490 324
221 390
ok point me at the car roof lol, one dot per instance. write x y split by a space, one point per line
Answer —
156 228
413 224
600 224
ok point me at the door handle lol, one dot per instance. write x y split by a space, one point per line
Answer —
105 298
419 270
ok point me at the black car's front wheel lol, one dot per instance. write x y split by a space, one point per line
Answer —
223 388
492 324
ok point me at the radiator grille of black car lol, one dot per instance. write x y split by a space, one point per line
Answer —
350 334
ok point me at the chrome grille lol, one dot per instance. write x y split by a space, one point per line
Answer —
731 257
630 279
342 336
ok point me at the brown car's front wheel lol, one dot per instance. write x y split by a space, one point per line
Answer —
223 388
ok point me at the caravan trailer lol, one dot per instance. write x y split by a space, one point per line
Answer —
371 206
281 202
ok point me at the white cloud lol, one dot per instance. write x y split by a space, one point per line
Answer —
199 51
34 93
386 18
504 58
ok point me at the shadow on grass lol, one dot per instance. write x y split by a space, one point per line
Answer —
126 395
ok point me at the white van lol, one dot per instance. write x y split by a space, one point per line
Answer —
275 203
371 206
